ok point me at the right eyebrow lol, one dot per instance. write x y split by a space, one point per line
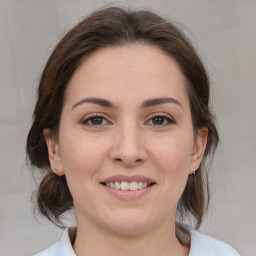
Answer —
97 101
158 101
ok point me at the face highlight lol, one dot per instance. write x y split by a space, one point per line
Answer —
126 143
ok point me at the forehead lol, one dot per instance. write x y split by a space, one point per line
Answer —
131 71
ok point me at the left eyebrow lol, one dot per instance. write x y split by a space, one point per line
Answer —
158 101
97 101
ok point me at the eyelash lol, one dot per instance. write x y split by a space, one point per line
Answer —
166 118
94 116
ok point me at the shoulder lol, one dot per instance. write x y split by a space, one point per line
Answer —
61 248
51 251
206 245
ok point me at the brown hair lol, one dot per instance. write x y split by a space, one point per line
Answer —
115 26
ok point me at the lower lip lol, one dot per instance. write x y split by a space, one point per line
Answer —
128 194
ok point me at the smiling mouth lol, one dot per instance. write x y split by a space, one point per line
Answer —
127 186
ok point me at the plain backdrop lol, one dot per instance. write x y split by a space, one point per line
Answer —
224 33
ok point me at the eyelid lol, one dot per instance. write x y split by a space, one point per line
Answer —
161 114
97 114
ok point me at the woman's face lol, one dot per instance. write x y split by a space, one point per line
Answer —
126 143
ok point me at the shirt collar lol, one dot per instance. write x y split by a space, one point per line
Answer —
65 246
66 249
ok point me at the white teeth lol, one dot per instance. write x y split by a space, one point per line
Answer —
133 185
117 185
140 184
123 185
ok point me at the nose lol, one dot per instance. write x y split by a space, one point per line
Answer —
128 147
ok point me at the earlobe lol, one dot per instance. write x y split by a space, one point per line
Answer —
199 149
53 152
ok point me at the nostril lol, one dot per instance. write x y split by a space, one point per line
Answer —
129 162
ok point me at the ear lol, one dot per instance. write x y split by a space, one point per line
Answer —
198 150
54 152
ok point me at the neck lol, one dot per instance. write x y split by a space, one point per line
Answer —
97 241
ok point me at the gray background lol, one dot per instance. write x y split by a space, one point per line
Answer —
223 31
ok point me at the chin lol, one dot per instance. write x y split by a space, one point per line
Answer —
129 224
129 230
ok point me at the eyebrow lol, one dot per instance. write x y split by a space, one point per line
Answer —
158 101
97 101
145 104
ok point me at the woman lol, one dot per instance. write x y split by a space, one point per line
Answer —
121 132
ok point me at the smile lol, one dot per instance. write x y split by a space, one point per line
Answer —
128 187
124 185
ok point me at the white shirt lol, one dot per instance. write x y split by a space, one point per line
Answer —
201 245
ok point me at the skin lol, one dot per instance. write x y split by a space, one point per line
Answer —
126 139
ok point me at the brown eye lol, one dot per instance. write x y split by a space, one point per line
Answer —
95 121
160 120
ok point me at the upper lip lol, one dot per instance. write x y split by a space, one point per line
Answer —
128 178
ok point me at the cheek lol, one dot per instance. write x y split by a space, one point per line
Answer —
81 156
172 160
174 154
